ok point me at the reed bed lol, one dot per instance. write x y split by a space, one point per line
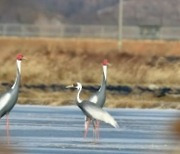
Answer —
65 61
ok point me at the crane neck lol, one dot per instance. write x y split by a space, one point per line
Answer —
105 71
18 74
103 83
18 63
78 95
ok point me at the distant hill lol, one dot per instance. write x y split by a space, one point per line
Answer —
54 12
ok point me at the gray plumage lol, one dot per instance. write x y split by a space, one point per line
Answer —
96 113
99 97
91 110
9 98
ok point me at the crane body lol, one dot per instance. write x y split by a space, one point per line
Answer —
91 110
9 98
99 99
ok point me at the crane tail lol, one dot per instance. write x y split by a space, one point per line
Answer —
100 114
109 119
114 124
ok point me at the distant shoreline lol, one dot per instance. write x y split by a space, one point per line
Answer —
123 96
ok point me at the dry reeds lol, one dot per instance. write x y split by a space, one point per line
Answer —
67 60
64 61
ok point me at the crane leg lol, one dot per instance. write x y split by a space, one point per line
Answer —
96 130
86 126
97 127
7 128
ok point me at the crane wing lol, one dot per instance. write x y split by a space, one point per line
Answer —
99 114
3 100
94 99
3 103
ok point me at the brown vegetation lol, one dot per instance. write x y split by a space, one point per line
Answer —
64 61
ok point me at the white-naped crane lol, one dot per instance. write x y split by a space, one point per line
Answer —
99 99
91 110
9 98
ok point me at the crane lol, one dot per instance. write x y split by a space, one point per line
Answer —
99 99
9 98
91 110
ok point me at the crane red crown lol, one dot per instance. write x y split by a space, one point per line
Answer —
105 62
19 56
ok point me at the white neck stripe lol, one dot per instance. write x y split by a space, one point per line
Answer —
78 95
19 65
105 71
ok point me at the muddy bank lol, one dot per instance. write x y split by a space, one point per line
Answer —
158 91
118 96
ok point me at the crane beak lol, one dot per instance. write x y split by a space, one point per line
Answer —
70 86
24 58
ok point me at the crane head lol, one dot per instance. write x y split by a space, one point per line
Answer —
105 62
19 57
75 85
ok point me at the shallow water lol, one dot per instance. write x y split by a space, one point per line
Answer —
41 129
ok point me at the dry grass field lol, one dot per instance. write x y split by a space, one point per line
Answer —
65 61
